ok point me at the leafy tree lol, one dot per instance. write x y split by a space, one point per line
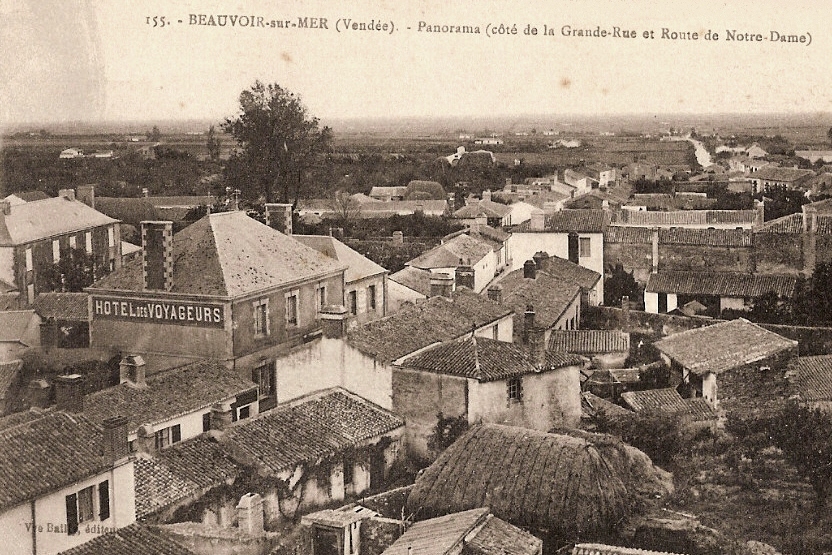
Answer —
446 431
658 434
279 143
72 272
155 135
620 283
213 144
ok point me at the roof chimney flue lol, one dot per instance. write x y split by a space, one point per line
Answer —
69 393
279 217
157 255
529 269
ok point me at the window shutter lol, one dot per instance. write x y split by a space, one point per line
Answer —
72 514
176 434
104 500
206 422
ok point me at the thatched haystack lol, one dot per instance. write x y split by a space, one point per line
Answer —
557 484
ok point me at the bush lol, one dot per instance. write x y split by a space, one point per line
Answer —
659 435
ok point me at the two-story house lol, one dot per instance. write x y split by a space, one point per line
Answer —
226 287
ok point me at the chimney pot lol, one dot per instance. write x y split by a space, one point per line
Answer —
68 194
530 269
69 393
441 285
538 220
539 258
6 206
495 293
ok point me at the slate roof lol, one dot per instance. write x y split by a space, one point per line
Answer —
484 359
51 217
358 266
563 269
315 426
63 306
34 456
814 378
566 484
725 284
498 537
686 217
183 470
438 536
550 297
230 254
588 342
668 400
135 539
774 173
461 250
680 236
431 321
14 325
414 278
723 346
168 394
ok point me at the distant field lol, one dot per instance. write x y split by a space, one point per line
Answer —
607 150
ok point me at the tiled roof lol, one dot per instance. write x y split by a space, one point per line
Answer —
601 549
414 278
686 217
42 219
774 173
720 347
680 236
135 539
581 221
181 201
438 536
63 306
589 341
498 537
550 297
185 469
726 284
487 207
668 400
168 394
129 210
34 456
230 254
15 325
388 191
9 371
309 428
814 378
627 234
30 196
358 266
484 359
461 250
15 418
793 223
563 269
591 404
434 320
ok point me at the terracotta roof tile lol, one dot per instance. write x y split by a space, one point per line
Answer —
600 549
438 536
774 173
686 217
668 400
592 405
563 269
550 297
498 537
461 250
720 283
63 306
577 220
814 378
793 223
723 346
135 539
588 342
310 428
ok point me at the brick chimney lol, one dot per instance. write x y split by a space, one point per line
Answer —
279 217
86 194
529 269
250 514
538 221
486 194
539 258
465 277
68 194
441 285
131 370
495 293
69 393
528 323
115 438
38 393
334 321
157 255
221 415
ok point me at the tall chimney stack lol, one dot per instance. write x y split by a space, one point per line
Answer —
86 194
131 370
528 323
538 220
441 285
279 217
115 438
157 255
529 269
69 393
334 321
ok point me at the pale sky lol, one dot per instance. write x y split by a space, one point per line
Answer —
92 60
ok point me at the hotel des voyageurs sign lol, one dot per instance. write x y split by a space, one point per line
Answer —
158 312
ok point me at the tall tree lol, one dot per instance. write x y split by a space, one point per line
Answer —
279 143
213 144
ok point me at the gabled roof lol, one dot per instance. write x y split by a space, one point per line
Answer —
498 537
358 266
725 284
462 250
680 236
686 217
484 359
15 326
588 342
134 539
551 297
431 321
35 453
51 217
168 394
577 220
184 469
29 196
774 173
438 536
230 254
813 380
565 484
669 401
564 270
601 549
63 306
723 346
309 428
488 208
414 278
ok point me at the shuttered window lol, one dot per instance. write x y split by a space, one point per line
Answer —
71 514
104 500
176 434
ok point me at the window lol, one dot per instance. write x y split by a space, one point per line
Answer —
104 500
131 446
56 251
162 438
292 309
515 389
371 297
29 265
495 333
353 301
349 471
244 412
263 376
88 242
261 317
584 247
72 242
80 507
175 434
206 422
72 514
85 506
321 295
111 237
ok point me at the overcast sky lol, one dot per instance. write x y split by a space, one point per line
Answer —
99 60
